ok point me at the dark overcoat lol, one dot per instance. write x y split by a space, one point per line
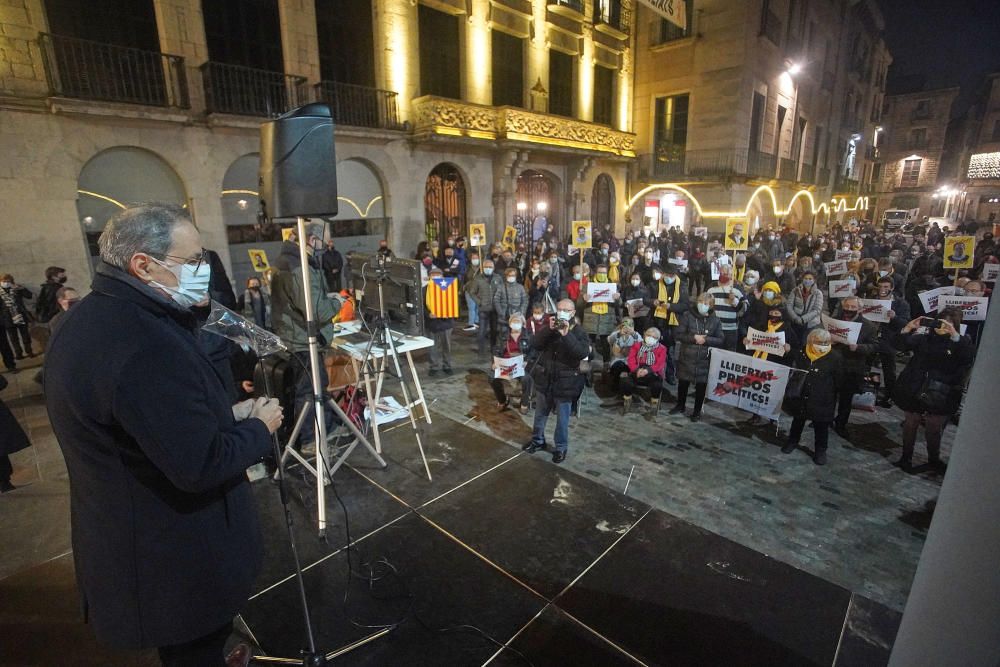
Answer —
165 534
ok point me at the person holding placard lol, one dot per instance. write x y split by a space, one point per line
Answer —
517 343
805 307
776 324
729 306
899 315
647 362
929 389
856 362
813 397
699 331
668 301
599 318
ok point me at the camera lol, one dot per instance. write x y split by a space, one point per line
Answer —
930 322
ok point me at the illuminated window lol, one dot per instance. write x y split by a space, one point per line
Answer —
671 118
440 63
669 32
911 173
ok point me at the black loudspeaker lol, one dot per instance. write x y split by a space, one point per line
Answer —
298 164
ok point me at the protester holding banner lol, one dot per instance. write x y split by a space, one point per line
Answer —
668 301
517 343
812 396
729 305
647 362
856 358
698 332
756 315
929 389
635 297
898 316
599 318
805 307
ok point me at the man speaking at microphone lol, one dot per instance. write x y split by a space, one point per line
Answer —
165 535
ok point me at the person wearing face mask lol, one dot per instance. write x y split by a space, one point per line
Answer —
557 377
785 280
439 329
255 304
599 318
472 270
773 247
636 290
899 315
483 289
510 299
823 377
805 308
856 361
333 267
576 286
756 315
383 248
647 362
729 306
699 331
668 301
517 342
929 390
620 341
156 451
15 317
45 306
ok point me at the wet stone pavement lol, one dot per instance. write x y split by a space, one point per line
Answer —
858 522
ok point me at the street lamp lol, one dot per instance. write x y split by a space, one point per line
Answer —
794 68
542 206
522 206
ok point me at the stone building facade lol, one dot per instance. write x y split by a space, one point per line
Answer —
81 139
980 171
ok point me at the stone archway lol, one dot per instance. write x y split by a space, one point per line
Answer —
445 203
538 204
602 202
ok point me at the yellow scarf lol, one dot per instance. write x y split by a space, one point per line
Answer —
738 272
661 296
613 271
771 328
814 354
599 308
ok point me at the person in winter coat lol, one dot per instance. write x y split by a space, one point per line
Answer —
632 291
929 390
728 306
518 342
255 303
509 299
777 321
440 330
599 318
620 342
857 360
899 315
647 362
699 331
805 305
778 273
166 541
668 301
756 315
557 377
14 316
12 439
824 375
46 307
482 290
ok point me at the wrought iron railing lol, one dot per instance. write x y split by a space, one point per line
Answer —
786 169
713 164
808 174
87 70
359 106
761 165
575 5
613 13
246 91
823 177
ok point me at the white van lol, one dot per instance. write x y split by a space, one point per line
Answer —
894 219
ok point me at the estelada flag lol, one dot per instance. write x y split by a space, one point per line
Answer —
442 297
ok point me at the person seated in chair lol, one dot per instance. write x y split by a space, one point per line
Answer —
620 342
647 363
518 342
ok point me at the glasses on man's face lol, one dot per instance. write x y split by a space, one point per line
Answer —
195 261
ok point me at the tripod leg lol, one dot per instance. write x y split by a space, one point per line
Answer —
409 408
417 387
371 406
287 450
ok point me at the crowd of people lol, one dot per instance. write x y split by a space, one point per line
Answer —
677 296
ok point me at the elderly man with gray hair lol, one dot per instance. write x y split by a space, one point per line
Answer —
165 534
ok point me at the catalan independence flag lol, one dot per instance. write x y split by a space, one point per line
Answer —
442 297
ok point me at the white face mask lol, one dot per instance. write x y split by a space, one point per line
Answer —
475 262
778 270
703 308
635 283
516 326
511 279
651 340
822 349
883 273
192 284
576 276
6 285
657 276
769 294
488 271
669 280
751 281
564 315
537 316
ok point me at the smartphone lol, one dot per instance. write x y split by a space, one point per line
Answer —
930 322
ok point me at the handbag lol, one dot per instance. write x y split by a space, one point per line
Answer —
934 395
796 385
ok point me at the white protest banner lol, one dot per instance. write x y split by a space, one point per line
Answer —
681 264
973 307
510 368
841 331
836 268
841 288
962 328
842 254
601 292
700 231
772 342
636 308
674 11
991 272
746 383
929 298
876 310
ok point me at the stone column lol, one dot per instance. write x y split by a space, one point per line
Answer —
299 42
478 53
181 26
953 611
397 54
22 70
506 164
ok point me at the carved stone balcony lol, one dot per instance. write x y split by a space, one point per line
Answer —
440 117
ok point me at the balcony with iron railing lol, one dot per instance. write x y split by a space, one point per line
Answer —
245 91
569 8
786 169
823 177
761 165
87 70
846 185
613 18
808 174
359 106
668 164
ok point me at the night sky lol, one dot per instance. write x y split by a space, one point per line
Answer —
942 43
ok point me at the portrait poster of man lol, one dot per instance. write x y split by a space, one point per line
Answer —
509 241
736 234
477 235
259 260
581 234
288 234
958 252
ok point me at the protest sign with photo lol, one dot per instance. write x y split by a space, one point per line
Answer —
772 342
841 331
835 268
508 369
973 307
601 292
581 234
991 272
845 255
929 298
509 241
477 234
681 264
746 383
700 231
258 258
841 288
876 310
958 252
736 235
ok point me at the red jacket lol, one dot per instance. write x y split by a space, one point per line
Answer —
659 359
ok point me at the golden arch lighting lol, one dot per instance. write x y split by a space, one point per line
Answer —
836 204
